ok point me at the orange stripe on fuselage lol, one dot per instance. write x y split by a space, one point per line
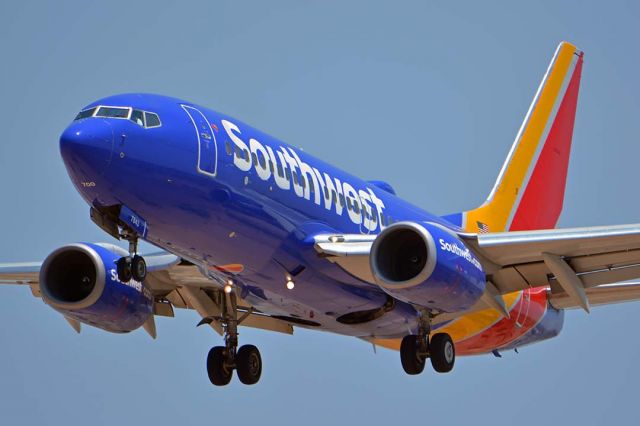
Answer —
529 310
476 322
465 326
486 330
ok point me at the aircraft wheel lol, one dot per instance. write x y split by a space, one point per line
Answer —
442 352
219 373
123 267
412 360
248 364
138 268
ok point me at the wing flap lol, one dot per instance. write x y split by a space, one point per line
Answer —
603 295
597 255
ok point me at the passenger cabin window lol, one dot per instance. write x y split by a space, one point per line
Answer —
113 112
84 114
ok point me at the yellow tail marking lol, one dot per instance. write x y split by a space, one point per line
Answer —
496 210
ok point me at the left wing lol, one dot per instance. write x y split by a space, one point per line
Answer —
173 283
575 263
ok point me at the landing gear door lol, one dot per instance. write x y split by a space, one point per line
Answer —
207 162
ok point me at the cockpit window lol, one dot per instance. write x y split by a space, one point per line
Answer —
142 118
137 117
152 119
86 113
113 112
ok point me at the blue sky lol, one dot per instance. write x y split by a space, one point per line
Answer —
425 95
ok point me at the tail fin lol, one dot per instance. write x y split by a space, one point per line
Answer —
529 191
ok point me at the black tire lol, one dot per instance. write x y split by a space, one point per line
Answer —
248 364
123 267
219 374
442 352
138 268
412 361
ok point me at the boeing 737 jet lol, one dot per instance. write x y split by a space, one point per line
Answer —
255 232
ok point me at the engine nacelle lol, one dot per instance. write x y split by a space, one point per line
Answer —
80 281
427 264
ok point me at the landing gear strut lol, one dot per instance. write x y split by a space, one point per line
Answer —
132 266
416 348
222 360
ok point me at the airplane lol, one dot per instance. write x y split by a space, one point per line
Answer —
258 233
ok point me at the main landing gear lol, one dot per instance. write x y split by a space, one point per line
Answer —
222 360
132 266
416 348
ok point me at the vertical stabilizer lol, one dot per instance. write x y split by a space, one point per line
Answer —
529 191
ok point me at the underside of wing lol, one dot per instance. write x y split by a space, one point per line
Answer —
172 283
576 264
597 255
606 294
184 286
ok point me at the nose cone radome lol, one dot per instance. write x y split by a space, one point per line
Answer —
86 147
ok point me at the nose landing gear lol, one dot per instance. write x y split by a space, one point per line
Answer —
222 360
416 348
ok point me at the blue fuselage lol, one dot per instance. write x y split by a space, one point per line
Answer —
239 203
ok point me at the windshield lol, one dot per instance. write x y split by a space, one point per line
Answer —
142 118
113 112
84 114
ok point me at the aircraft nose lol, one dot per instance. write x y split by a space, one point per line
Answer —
86 146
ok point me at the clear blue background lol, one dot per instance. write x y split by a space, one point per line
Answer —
425 95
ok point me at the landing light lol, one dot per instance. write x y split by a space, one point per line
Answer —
290 284
228 287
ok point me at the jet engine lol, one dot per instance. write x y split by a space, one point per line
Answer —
426 264
80 281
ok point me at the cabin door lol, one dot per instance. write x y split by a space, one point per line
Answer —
207 161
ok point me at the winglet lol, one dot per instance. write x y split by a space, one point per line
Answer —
529 191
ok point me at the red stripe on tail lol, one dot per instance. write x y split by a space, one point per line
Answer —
541 203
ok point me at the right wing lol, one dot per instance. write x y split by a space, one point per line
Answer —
575 263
